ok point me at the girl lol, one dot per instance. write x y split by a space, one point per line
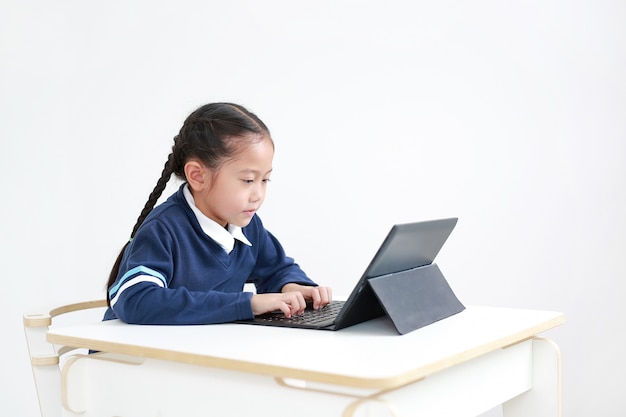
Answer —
188 259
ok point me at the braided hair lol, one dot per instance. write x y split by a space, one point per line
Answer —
211 134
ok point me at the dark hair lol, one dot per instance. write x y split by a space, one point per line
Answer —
212 134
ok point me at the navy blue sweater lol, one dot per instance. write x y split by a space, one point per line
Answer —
173 273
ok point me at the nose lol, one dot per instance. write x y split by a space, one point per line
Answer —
258 193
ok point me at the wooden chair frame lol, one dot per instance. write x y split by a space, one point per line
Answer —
45 358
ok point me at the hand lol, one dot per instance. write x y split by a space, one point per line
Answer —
290 303
320 296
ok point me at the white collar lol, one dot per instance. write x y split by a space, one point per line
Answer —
224 238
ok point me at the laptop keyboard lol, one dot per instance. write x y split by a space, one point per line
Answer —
309 317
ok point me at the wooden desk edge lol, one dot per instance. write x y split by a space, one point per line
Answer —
308 375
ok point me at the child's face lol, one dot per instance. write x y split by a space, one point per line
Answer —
238 189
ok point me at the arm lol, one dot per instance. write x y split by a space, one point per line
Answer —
147 303
165 279
273 269
285 276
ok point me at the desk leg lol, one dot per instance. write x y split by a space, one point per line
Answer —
544 399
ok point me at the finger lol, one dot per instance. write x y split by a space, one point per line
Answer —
326 295
299 303
286 308
316 297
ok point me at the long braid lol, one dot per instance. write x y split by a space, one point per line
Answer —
155 194
152 199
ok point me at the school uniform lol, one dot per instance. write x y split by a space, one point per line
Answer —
183 268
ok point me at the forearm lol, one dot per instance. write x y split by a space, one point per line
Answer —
155 305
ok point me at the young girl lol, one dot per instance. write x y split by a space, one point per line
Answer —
188 259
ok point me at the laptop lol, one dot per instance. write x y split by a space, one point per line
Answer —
407 246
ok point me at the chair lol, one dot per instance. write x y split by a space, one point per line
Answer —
46 358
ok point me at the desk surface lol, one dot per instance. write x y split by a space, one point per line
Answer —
368 355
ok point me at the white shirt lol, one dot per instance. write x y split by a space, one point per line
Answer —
224 238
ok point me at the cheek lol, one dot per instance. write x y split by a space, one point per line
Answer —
235 196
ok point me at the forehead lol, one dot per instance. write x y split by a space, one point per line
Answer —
254 156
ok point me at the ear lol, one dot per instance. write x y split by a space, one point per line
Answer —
197 175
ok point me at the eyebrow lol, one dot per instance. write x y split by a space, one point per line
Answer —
254 171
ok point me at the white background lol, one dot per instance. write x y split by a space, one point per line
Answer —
509 115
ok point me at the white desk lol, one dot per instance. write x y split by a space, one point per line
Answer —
462 365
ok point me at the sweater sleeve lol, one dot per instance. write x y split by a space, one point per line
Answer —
147 303
274 269
142 293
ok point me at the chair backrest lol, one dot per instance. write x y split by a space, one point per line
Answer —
45 358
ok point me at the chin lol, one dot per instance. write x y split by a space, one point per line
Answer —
242 223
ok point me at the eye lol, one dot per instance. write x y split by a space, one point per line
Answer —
266 180
248 181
